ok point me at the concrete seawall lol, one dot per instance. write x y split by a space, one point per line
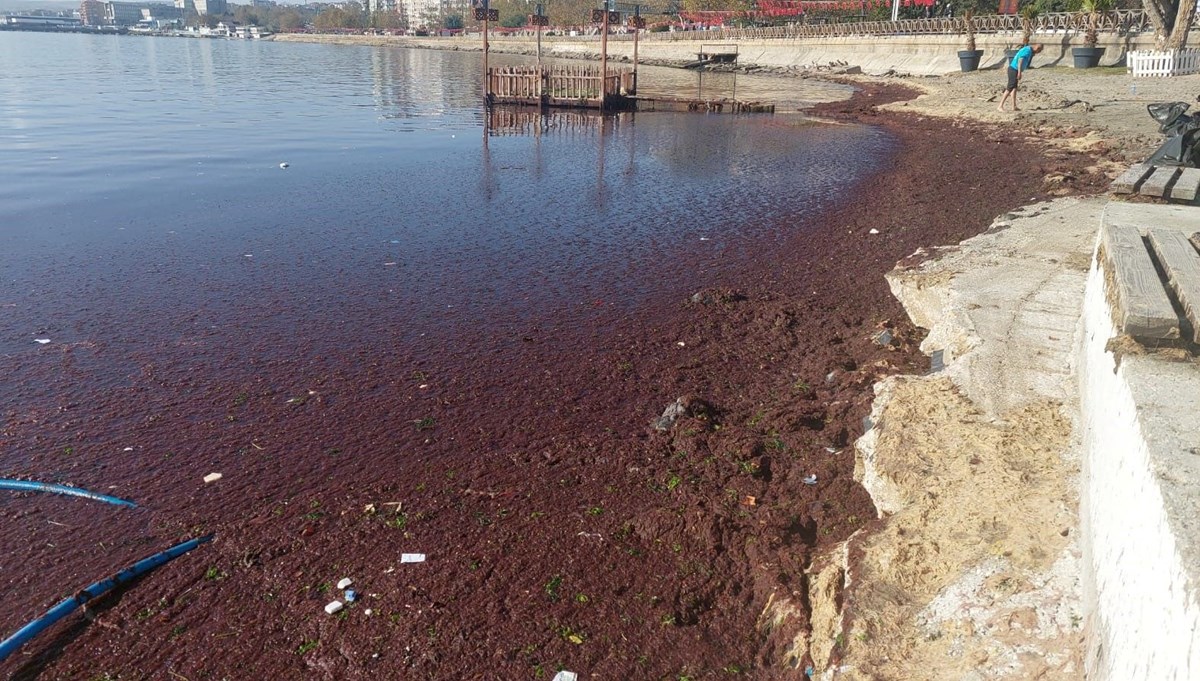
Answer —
1044 487
1141 495
924 55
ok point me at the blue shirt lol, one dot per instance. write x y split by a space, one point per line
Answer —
1025 54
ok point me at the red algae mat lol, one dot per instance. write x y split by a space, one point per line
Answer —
561 529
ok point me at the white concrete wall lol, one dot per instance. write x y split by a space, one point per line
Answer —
1138 506
924 55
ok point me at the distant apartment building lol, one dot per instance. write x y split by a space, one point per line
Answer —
161 13
97 13
431 13
383 5
262 3
91 13
211 7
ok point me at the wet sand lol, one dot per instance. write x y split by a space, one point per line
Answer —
561 529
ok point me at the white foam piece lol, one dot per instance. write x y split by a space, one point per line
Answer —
344 582
412 558
333 607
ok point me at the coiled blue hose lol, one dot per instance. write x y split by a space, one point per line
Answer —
9 645
32 486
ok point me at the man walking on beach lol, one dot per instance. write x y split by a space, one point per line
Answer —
1016 69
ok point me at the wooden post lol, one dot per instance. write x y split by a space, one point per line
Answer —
603 54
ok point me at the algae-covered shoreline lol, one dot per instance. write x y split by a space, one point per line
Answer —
628 554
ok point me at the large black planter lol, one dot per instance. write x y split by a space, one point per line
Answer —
968 60
1086 57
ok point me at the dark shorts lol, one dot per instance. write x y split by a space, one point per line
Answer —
1012 78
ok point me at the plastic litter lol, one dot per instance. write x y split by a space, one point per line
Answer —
212 477
333 607
351 595
1182 147
284 164
367 612
810 480
873 231
883 337
565 676
344 582
42 341
412 558
937 361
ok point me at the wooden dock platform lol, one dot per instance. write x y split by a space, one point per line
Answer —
580 87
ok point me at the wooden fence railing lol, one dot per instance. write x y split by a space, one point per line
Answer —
529 83
1123 21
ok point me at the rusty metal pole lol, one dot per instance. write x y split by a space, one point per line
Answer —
636 31
604 56
486 76
539 35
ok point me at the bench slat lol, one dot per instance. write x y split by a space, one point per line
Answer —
1182 265
1144 311
1187 186
1131 179
1156 184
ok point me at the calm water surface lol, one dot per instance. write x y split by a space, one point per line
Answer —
143 207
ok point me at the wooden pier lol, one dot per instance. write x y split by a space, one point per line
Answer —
583 87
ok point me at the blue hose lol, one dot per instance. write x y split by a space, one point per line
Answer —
31 486
9 645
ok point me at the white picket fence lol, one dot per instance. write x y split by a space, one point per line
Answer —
1162 63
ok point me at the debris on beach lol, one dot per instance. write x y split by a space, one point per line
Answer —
351 595
333 607
750 500
810 480
212 477
671 414
41 341
412 558
344 583
883 337
565 676
285 164
873 231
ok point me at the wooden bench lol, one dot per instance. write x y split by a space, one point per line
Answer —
1167 182
1155 282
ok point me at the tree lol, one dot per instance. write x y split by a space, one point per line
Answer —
288 20
1172 19
386 20
453 22
513 21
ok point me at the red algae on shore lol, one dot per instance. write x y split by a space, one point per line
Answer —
561 528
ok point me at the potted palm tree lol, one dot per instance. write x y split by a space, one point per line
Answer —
968 59
1089 55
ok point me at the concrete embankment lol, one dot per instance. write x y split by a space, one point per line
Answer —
923 55
1038 496
1141 491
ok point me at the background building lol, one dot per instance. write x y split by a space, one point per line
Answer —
211 7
